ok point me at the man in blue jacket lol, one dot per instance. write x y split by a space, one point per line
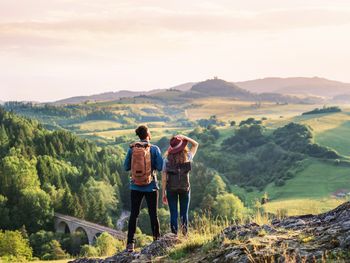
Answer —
149 191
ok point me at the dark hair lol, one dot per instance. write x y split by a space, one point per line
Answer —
142 132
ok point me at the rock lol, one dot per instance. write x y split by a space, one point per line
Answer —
161 246
346 243
156 248
310 238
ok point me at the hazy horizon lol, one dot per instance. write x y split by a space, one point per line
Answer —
64 48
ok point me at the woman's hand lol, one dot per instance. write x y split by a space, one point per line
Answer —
164 199
193 142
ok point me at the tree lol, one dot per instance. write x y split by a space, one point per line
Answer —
17 174
216 186
4 213
229 206
13 244
34 210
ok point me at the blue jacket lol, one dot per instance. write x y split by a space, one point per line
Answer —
156 164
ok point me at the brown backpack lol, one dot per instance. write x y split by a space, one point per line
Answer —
178 179
141 169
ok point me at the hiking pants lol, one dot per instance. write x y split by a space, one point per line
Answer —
152 203
173 199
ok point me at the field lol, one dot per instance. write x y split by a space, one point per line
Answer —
97 125
157 133
228 109
303 206
312 187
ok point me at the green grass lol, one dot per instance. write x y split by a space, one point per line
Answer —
97 125
312 186
303 206
337 138
318 180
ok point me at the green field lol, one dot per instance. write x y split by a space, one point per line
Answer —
337 138
157 133
228 109
97 125
312 187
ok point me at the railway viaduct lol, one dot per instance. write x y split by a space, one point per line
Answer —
69 224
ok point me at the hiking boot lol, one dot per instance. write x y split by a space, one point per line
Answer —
130 247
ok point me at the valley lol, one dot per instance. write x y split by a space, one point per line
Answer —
249 148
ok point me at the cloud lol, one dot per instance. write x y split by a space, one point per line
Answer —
147 20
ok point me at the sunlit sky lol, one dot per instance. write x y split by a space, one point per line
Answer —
55 49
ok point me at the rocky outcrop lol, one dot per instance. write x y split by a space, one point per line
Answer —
307 238
157 248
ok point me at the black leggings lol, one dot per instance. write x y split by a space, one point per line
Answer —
152 203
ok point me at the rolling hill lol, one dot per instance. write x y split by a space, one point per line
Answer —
308 90
218 88
304 86
110 96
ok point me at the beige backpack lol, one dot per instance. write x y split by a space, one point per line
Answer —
141 169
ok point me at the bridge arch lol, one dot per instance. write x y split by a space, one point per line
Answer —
63 227
83 235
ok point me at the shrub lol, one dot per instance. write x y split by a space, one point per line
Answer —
54 251
229 206
108 245
89 251
13 244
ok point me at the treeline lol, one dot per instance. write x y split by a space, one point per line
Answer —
54 116
253 158
323 110
42 172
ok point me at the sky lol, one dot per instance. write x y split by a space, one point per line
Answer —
55 49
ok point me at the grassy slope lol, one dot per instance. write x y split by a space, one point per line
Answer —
308 192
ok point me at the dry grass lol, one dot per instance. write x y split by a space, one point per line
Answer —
295 207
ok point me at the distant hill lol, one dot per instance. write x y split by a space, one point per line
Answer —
110 96
342 98
184 87
107 96
305 86
219 88
291 90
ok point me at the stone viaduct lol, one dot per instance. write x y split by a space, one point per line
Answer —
69 224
